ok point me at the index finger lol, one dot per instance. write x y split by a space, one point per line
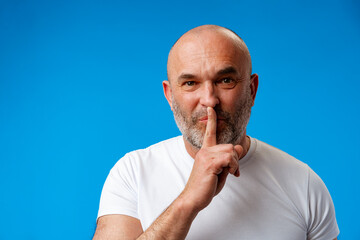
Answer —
210 132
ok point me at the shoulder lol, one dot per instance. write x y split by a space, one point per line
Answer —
278 159
121 188
286 165
149 155
157 148
303 186
282 173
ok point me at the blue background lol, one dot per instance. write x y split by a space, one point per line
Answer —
80 85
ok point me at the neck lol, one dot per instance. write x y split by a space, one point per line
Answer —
244 142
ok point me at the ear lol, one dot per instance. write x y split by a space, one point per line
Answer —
254 82
167 92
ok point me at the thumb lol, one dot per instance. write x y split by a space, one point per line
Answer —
239 151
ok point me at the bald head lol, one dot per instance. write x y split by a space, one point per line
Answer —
208 39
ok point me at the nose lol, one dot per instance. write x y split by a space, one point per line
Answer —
209 96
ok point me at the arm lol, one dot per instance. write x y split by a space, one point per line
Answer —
174 223
322 220
117 226
212 165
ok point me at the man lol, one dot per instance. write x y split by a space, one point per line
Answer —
176 189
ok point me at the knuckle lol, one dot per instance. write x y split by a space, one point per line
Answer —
229 147
233 162
228 157
236 165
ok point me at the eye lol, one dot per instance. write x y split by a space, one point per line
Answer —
189 83
226 82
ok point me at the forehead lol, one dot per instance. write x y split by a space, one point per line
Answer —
207 52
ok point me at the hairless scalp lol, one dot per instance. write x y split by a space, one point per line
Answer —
199 33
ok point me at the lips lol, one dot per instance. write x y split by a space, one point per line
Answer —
206 118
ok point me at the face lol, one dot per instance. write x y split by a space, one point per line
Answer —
210 73
231 126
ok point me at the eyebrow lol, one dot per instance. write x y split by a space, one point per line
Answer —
186 76
227 70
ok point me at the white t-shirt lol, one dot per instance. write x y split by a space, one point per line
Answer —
275 197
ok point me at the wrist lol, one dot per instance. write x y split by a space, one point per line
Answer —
185 207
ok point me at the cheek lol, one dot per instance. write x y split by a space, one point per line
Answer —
232 101
229 99
188 101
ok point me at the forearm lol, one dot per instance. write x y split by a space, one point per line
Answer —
173 223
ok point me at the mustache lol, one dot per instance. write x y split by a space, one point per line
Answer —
203 112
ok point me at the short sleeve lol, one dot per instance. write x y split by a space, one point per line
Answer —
322 223
119 193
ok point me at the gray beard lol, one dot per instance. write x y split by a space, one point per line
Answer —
234 125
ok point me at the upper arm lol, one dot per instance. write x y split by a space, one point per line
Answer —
117 226
322 219
118 213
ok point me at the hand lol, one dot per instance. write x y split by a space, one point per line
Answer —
212 165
